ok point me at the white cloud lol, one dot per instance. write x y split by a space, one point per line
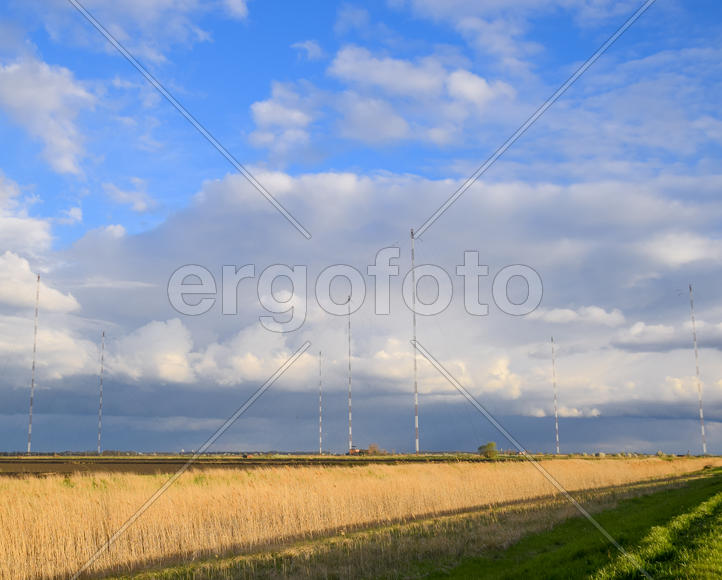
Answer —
60 352
283 120
678 249
147 28
386 99
138 199
309 48
115 231
237 8
71 216
280 142
46 100
165 351
252 354
18 285
371 120
584 314
157 351
574 412
229 222
497 27
400 77
467 86
19 232
681 387
103 282
271 113
351 18
502 380
644 336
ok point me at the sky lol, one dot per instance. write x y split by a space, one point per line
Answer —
358 121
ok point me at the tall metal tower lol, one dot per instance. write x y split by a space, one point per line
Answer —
100 402
320 406
696 363
556 408
413 314
350 430
32 379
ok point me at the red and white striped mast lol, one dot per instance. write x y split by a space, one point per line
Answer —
32 378
696 363
413 314
100 401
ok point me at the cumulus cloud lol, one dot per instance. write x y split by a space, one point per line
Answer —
46 100
396 76
229 223
157 351
61 352
641 336
465 85
165 351
273 113
18 287
584 314
282 121
425 79
678 249
18 231
501 379
576 413
390 99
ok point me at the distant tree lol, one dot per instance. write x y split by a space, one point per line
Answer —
374 449
488 450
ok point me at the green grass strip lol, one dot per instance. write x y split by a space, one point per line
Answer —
672 550
574 549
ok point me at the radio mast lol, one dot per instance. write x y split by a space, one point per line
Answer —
413 315
696 363
100 402
32 378
320 406
350 430
556 409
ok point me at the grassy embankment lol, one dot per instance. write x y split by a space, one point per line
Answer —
671 534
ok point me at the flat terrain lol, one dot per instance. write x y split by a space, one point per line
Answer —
150 464
671 530
51 525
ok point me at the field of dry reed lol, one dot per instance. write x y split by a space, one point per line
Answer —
50 526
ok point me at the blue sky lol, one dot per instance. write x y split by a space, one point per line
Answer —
361 119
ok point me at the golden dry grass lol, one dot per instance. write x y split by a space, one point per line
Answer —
406 550
50 526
